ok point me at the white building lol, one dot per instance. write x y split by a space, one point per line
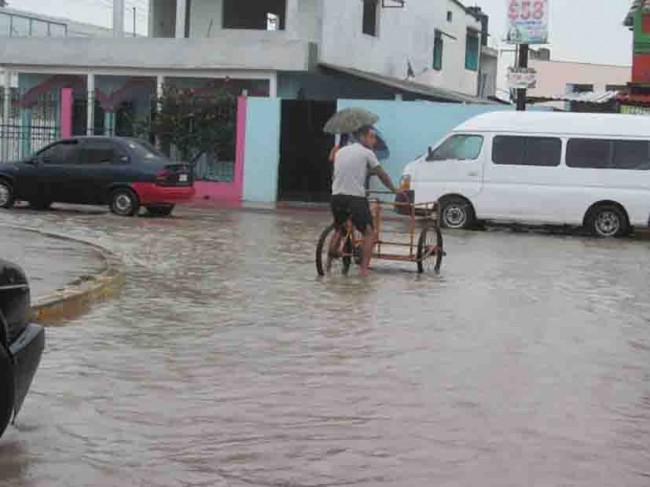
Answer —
19 23
434 44
291 49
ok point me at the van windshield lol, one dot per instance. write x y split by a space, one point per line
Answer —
459 147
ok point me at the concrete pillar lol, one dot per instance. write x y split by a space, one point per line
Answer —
109 124
6 113
273 86
181 18
90 112
150 25
26 133
291 22
118 18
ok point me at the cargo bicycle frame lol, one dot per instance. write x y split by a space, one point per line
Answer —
426 251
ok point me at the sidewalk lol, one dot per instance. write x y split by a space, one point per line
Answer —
51 264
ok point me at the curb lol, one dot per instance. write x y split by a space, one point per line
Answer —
80 295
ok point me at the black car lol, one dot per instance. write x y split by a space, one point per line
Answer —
124 173
21 343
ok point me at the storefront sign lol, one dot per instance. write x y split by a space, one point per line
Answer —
527 22
522 78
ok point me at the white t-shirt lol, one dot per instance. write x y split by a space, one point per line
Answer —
352 165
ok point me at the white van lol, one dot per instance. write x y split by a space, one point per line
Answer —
540 168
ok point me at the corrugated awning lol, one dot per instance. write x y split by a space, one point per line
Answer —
585 97
634 99
419 89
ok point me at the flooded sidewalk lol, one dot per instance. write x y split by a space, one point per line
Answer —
50 263
227 362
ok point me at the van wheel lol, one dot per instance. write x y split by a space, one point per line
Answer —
456 213
124 202
7 388
6 194
607 221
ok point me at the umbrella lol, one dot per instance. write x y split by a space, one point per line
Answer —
350 120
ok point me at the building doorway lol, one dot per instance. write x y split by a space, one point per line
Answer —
305 174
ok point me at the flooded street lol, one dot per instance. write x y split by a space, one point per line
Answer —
226 362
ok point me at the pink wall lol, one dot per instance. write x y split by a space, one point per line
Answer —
553 76
66 113
208 193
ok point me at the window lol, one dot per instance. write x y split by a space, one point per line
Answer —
370 17
40 29
459 147
615 87
5 25
254 15
96 152
20 27
588 153
61 153
631 154
581 88
472 50
450 16
438 47
526 151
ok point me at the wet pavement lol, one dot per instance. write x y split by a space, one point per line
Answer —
50 263
226 362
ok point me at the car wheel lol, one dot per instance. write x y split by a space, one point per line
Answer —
124 202
607 221
6 194
456 213
160 210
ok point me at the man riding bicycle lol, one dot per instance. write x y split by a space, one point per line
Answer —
352 166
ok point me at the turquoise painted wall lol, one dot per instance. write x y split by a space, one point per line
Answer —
409 127
261 160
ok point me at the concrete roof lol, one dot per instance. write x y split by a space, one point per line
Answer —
425 91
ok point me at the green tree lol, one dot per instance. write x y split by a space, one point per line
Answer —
195 122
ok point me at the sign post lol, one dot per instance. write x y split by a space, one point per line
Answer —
527 24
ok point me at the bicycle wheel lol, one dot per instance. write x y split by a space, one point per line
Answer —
430 250
332 264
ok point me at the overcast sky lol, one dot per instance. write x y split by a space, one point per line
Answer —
581 30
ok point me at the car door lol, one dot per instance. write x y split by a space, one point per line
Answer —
454 167
97 159
43 178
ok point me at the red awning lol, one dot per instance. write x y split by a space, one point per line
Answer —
629 99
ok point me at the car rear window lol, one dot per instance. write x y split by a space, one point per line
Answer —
144 150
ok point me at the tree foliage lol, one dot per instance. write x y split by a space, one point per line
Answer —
195 123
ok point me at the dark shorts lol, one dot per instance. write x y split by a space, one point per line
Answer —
357 207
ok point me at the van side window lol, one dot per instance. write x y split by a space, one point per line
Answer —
588 153
631 155
459 147
526 151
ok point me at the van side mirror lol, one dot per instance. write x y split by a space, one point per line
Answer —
430 154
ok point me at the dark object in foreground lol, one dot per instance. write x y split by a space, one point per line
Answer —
21 343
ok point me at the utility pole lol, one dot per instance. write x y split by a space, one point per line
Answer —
134 22
522 64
